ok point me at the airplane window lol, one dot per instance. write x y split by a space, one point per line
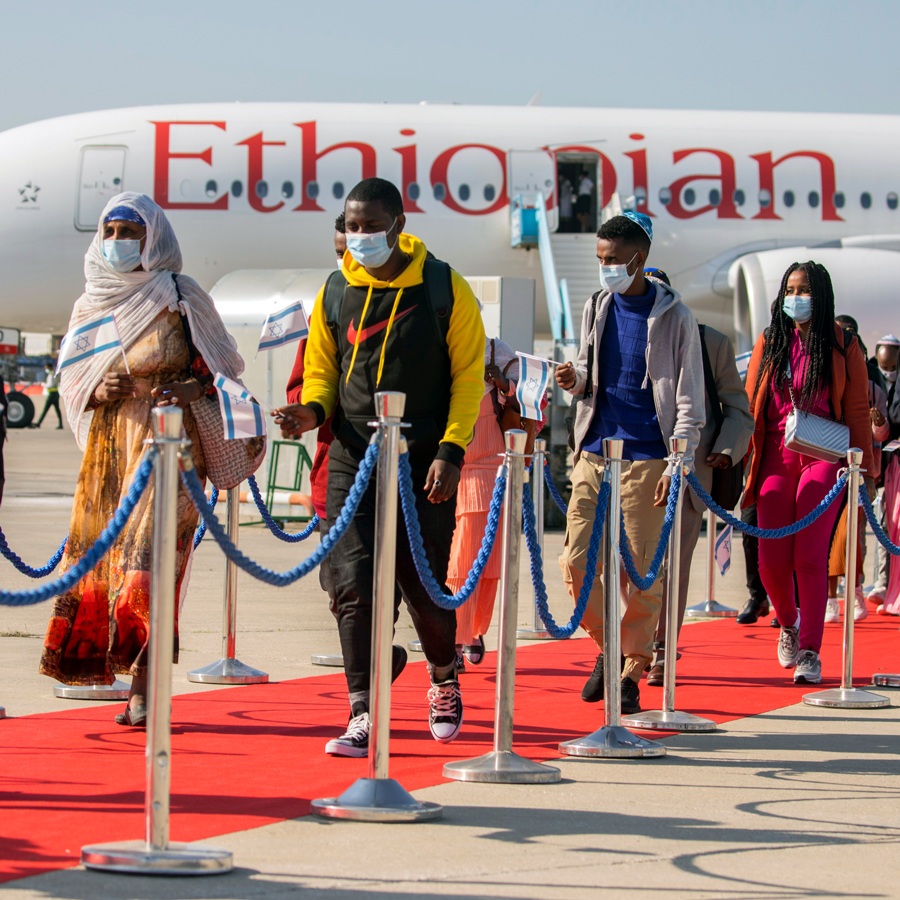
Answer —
439 191
117 181
665 196
287 189
262 189
412 191
765 198
312 189
211 188
689 196
464 192
489 192
865 200
236 189
715 198
839 200
739 197
640 195
788 198
892 200
813 199
338 190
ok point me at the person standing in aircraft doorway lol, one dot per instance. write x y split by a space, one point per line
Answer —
584 203
397 322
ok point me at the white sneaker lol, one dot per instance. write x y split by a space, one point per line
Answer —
859 606
809 668
354 741
789 645
832 611
446 714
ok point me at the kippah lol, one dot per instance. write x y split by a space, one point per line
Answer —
642 220
124 214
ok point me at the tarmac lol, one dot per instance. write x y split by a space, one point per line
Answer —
798 802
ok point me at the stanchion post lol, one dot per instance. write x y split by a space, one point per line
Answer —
227 669
502 765
710 609
155 855
613 740
668 718
537 632
379 798
846 696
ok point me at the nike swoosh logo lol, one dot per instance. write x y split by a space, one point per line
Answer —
367 332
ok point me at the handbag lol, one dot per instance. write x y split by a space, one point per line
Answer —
228 462
509 415
814 436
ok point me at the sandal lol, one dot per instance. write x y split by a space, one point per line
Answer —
134 718
474 652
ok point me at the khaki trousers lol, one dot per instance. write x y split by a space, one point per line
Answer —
643 523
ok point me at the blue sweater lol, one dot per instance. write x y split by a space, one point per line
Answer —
623 408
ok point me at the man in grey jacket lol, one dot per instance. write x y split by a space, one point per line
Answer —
639 376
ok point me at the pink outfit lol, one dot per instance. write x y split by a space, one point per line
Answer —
892 517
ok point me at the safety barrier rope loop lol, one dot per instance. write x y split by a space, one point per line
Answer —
875 525
537 565
414 532
270 522
201 530
101 546
23 567
766 533
646 582
281 579
554 491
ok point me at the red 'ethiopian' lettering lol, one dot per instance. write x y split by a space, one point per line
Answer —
161 167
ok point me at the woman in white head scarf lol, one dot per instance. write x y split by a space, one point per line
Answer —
172 338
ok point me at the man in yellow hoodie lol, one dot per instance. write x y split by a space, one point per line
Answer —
388 333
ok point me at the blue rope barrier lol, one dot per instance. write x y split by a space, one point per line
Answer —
537 565
646 582
270 522
101 546
201 530
282 579
414 531
23 567
766 533
875 525
554 491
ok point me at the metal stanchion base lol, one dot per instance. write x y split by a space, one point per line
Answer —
118 690
327 659
885 680
612 742
415 646
710 610
376 800
660 719
850 698
501 767
139 858
228 671
532 634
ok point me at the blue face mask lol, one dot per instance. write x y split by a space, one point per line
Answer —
122 256
799 308
370 250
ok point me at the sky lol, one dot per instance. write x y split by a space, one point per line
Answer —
69 56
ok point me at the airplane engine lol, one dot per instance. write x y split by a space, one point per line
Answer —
866 286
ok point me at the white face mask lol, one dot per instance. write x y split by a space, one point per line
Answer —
370 250
616 279
890 375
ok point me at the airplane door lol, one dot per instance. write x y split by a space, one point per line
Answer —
533 172
100 177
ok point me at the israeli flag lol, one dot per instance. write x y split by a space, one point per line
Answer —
241 414
284 326
723 550
534 378
89 340
742 361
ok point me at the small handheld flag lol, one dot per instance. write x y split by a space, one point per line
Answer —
241 414
534 378
742 361
723 549
282 327
89 340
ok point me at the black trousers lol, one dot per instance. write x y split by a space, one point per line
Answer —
351 575
751 557
51 401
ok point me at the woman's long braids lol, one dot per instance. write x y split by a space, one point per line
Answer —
819 340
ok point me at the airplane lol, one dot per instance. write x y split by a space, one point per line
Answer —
254 187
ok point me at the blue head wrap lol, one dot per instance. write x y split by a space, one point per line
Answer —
124 214
641 220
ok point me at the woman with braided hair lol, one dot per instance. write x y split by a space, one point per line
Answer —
805 353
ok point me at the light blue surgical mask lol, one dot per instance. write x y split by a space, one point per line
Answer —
798 307
122 256
616 279
370 250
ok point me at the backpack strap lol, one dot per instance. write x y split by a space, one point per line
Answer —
332 300
589 386
438 279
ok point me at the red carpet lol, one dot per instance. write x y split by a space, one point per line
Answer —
249 756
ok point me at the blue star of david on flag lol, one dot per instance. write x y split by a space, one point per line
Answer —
89 340
534 379
241 414
283 327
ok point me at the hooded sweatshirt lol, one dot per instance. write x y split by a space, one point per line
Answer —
386 340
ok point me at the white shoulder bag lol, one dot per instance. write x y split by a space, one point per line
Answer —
814 436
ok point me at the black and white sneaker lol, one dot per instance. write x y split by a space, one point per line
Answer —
446 714
354 741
